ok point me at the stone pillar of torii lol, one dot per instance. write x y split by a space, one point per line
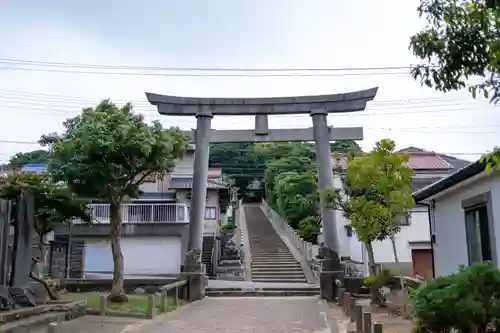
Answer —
318 107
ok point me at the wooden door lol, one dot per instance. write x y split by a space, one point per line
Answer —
422 263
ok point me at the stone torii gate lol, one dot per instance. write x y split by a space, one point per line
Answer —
204 109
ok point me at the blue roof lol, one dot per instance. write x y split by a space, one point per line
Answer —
35 168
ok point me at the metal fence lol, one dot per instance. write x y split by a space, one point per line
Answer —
142 213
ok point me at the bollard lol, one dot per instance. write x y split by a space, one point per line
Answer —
358 317
163 300
377 328
352 305
341 293
347 297
367 322
53 327
102 306
177 297
151 307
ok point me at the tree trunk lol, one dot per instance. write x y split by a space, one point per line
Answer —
377 297
396 259
403 293
117 294
41 263
50 289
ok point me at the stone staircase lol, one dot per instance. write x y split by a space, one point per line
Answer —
272 261
206 254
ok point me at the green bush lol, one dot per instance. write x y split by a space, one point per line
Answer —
467 301
308 229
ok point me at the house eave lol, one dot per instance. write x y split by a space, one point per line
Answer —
467 174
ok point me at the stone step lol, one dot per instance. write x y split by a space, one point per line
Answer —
279 280
295 270
271 267
261 293
274 261
284 255
256 275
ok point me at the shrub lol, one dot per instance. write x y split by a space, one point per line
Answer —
467 301
308 229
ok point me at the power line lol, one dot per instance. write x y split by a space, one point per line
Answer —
44 97
9 61
197 75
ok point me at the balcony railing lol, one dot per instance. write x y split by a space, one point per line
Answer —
142 213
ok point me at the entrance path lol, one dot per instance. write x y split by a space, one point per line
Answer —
248 314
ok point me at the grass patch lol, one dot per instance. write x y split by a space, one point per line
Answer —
136 303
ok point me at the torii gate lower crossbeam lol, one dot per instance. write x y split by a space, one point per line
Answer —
317 106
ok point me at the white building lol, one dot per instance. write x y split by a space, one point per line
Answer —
465 221
413 241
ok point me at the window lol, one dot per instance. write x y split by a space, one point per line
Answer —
478 234
405 220
210 213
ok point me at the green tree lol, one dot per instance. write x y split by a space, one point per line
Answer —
55 205
106 153
460 42
292 163
297 196
35 156
376 195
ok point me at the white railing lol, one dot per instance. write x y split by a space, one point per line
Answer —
142 213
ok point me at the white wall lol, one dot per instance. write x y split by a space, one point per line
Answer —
210 225
450 249
142 256
184 166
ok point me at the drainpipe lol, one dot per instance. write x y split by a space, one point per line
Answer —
430 212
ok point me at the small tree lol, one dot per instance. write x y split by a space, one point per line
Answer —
106 153
376 195
54 205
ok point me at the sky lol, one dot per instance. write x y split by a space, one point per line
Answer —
227 34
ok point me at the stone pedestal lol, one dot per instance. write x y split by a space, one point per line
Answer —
328 285
331 275
197 284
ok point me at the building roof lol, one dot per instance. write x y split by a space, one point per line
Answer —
433 165
423 160
34 168
187 183
449 181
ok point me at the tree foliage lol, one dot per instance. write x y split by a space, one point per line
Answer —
106 153
467 301
297 196
460 42
35 156
461 45
247 162
55 204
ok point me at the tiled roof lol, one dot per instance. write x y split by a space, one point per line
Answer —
427 161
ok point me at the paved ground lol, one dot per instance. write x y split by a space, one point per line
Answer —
250 314
95 324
